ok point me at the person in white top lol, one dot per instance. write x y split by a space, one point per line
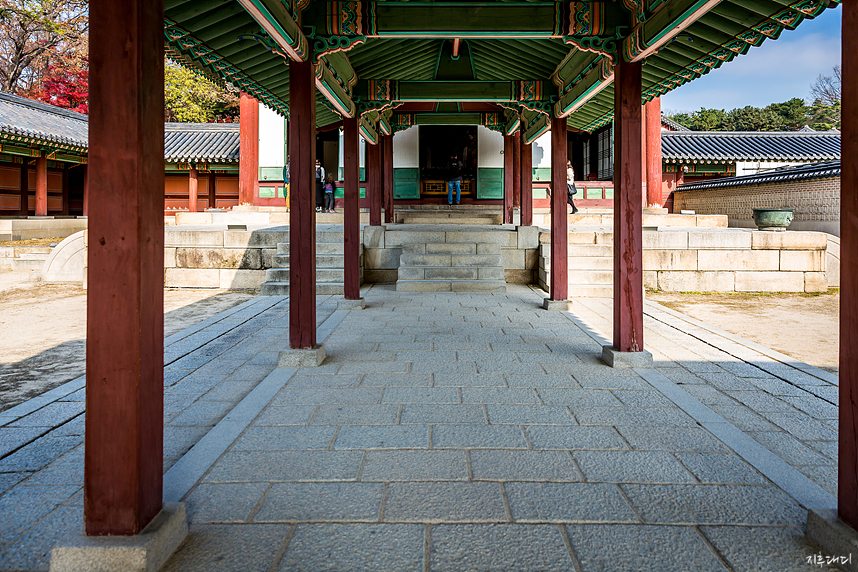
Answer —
570 186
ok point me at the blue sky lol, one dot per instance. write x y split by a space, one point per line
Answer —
774 72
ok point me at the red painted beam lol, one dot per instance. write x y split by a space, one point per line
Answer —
388 178
41 186
508 151
559 287
654 196
373 182
302 213
847 468
628 194
351 208
456 43
124 450
516 171
248 151
192 190
526 183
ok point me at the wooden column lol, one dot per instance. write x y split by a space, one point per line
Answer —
847 469
653 153
516 171
526 183
41 186
85 190
302 213
373 182
192 189
508 151
388 177
65 210
559 248
351 210
248 158
25 190
125 301
628 242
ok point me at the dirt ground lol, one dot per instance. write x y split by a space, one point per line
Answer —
804 326
43 340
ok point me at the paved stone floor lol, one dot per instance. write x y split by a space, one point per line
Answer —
457 432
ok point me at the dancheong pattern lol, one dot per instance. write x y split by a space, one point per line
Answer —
351 18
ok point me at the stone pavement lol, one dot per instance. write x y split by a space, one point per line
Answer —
459 432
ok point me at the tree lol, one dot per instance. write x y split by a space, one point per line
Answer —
191 98
751 118
793 114
66 85
826 88
36 33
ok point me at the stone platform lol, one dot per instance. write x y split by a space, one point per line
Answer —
458 431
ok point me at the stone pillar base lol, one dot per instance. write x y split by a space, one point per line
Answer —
351 304
833 537
557 305
302 358
145 552
619 359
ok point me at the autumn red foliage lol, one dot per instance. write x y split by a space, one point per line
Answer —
66 85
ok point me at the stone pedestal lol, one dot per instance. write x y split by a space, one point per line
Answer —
303 358
144 552
833 537
556 305
351 304
615 358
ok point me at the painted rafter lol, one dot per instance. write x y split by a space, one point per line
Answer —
592 79
534 124
663 26
278 23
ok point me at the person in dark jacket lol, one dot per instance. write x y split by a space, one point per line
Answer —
454 178
320 192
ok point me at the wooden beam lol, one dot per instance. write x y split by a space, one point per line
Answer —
534 125
368 130
847 464
248 154
513 121
302 210
665 24
526 183
333 91
559 287
351 210
275 19
586 89
41 186
124 449
628 195
526 90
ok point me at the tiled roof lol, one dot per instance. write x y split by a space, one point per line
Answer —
695 146
22 117
217 142
672 125
824 170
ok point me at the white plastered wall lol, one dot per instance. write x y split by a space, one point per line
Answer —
489 148
361 151
272 138
406 149
541 149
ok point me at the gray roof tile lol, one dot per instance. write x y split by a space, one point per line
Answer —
825 170
691 146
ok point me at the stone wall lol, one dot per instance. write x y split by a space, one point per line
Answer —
816 203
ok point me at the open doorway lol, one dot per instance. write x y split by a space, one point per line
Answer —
437 144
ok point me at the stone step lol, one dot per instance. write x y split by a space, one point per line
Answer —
322 275
445 218
322 262
321 247
28 263
450 273
282 289
498 286
591 291
582 263
591 277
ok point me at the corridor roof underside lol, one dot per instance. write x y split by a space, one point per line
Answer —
543 56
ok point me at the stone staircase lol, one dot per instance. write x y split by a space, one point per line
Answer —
591 269
330 262
30 261
451 267
449 214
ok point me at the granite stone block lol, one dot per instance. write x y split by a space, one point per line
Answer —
568 502
302 502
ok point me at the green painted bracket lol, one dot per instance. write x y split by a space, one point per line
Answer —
595 81
276 20
535 128
333 90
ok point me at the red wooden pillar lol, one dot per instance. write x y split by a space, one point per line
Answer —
526 183
41 186
351 210
847 469
24 209
248 158
302 213
192 189
628 242
85 190
373 182
516 172
559 248
653 153
388 177
65 210
508 151
125 301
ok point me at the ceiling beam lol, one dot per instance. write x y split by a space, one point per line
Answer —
531 91
598 78
275 19
663 26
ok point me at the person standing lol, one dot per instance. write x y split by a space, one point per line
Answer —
320 193
330 186
454 178
570 186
